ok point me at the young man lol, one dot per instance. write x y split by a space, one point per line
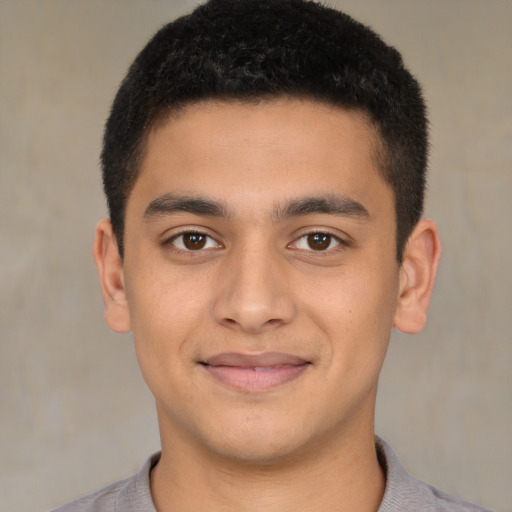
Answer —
264 165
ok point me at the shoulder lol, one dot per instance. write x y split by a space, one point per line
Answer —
102 500
448 503
404 492
130 495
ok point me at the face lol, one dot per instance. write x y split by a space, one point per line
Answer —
260 276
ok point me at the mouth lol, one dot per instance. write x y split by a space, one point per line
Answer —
255 373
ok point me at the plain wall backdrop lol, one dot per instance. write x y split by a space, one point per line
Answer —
74 412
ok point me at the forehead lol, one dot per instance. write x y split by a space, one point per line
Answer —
264 151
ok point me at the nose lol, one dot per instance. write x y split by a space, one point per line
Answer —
254 293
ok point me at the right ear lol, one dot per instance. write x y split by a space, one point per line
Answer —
110 270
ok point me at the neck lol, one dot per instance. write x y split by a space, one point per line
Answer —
346 478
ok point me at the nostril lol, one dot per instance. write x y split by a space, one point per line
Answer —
253 326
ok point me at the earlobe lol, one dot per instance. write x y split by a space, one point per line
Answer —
417 277
110 270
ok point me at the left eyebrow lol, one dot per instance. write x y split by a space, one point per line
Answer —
331 204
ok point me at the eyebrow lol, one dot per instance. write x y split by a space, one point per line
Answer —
171 203
331 204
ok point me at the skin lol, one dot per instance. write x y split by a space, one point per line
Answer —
261 284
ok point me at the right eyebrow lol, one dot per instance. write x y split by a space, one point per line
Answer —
171 203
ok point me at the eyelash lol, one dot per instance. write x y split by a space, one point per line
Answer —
170 242
341 244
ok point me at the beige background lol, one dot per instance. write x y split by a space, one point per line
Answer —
74 412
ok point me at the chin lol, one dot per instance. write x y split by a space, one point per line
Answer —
258 444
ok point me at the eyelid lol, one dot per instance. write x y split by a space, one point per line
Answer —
343 241
168 241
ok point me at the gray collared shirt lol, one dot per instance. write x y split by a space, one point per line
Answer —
403 492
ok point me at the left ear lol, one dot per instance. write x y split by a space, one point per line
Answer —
417 277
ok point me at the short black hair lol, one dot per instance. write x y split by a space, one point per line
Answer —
248 50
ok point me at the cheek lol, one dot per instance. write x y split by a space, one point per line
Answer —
166 311
165 300
354 298
161 329
355 308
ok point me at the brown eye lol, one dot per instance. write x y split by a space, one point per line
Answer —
194 241
319 241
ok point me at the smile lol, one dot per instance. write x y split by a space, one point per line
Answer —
255 373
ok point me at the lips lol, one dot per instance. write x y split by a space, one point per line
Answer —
255 373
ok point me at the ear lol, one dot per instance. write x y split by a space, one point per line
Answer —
417 277
110 270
